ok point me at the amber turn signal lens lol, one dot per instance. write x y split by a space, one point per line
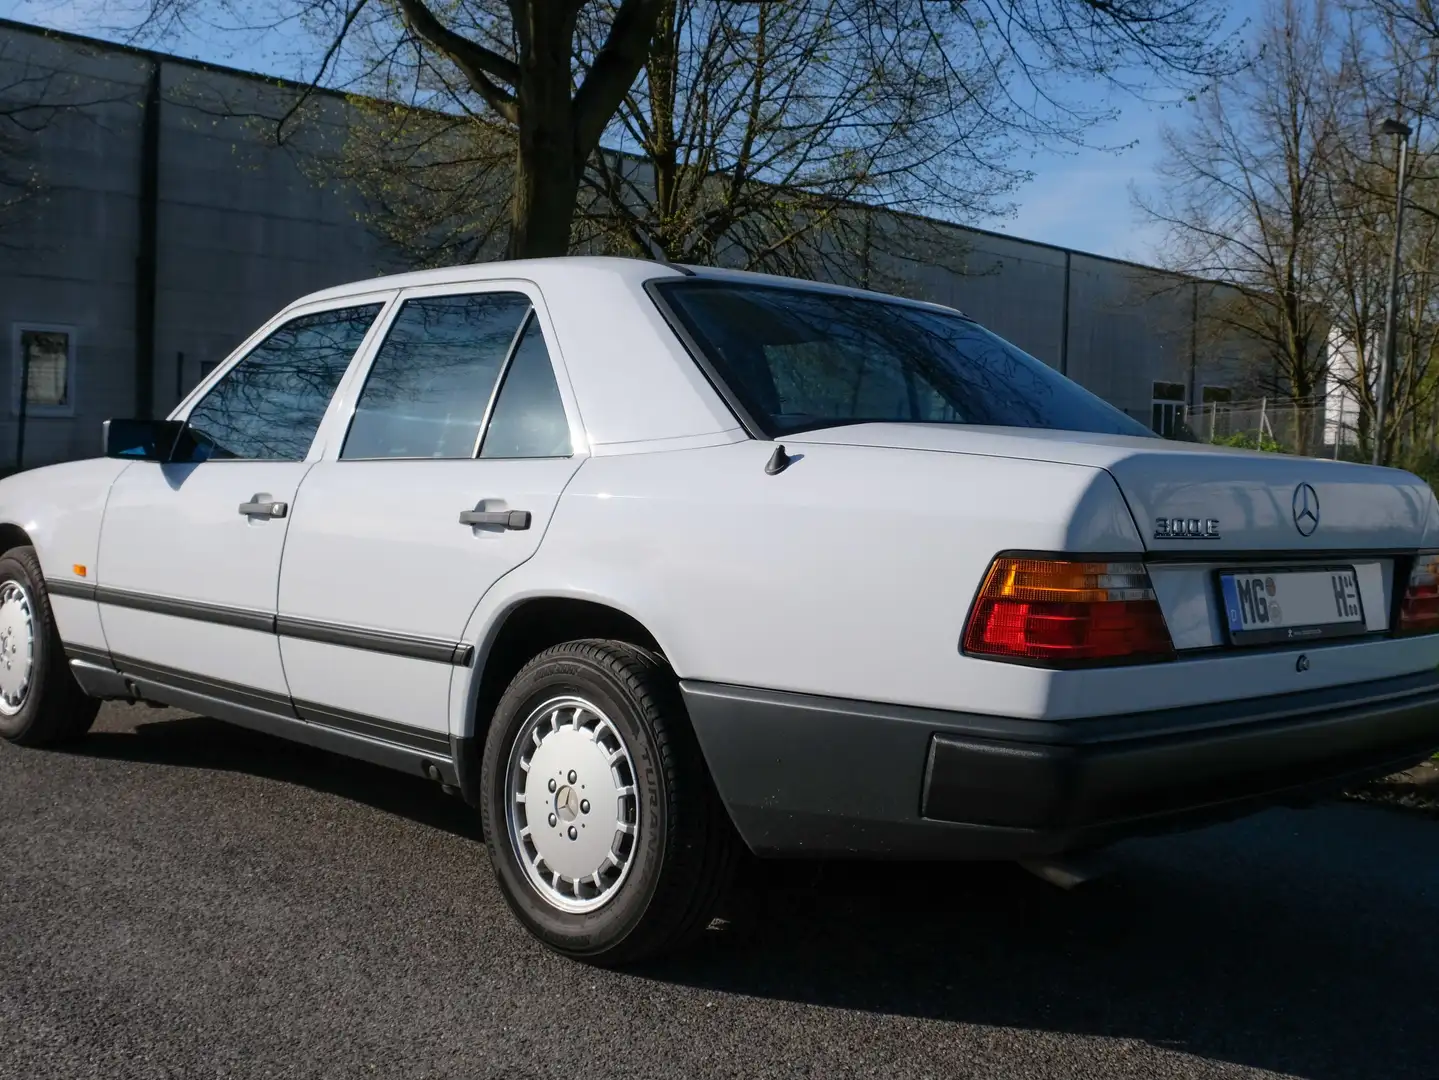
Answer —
1061 611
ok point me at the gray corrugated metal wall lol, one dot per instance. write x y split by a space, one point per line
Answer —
240 231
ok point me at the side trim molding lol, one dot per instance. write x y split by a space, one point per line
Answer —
436 650
372 727
354 637
78 590
89 654
368 738
244 618
147 674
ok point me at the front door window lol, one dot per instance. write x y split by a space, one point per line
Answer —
269 405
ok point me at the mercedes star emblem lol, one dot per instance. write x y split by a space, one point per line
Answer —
1306 509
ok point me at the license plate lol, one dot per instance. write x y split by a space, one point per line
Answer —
1291 605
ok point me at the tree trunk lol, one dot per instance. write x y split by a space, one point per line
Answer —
547 174
663 152
546 193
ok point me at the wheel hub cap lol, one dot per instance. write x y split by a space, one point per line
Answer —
17 647
573 813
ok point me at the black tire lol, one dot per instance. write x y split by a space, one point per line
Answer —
687 849
55 709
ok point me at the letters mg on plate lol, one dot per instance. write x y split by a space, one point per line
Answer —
1291 605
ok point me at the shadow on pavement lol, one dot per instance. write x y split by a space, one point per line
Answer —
1295 942
202 743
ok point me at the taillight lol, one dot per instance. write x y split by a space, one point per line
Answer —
1057 611
1419 609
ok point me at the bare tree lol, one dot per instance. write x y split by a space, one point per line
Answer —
760 136
1283 187
555 74
761 128
1384 70
1247 198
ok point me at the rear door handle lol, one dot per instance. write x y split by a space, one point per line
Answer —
264 508
506 519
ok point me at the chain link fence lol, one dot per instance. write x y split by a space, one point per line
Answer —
1311 427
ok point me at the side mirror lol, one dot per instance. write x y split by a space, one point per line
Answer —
142 440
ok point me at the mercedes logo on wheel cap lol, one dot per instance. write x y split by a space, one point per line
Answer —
1306 509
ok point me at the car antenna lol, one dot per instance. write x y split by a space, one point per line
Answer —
778 462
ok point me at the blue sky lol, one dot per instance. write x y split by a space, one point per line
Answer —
1079 198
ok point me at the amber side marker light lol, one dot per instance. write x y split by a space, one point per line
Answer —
1419 608
1064 612
80 571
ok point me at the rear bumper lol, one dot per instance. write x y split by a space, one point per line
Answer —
806 775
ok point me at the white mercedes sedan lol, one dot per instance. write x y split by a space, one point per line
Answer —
653 565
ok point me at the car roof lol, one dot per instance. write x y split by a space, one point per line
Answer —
573 270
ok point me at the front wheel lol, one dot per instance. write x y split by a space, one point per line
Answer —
606 834
40 701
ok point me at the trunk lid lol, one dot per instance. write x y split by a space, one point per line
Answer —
1195 498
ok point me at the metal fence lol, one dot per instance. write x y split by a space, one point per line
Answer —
1310 427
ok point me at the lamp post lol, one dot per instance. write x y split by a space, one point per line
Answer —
1400 130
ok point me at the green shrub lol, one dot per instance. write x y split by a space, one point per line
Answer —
1249 442
1425 466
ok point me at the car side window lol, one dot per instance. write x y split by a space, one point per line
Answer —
432 379
528 419
270 404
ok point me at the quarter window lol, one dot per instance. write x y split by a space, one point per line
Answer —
528 419
269 405
432 379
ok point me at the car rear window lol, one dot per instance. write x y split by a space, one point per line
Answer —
796 359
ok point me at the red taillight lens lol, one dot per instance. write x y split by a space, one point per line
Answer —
1060 611
1419 610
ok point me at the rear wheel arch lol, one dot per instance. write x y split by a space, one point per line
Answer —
521 633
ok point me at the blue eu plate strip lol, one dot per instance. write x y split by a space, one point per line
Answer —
1231 602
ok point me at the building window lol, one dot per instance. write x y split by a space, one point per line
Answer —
1217 395
44 362
1166 414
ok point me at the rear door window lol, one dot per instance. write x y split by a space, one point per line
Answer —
429 388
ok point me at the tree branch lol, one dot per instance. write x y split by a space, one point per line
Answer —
480 65
613 73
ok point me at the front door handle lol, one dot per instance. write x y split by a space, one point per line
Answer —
265 508
506 519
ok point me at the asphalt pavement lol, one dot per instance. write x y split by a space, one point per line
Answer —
181 898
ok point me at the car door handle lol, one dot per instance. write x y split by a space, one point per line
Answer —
262 508
506 519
